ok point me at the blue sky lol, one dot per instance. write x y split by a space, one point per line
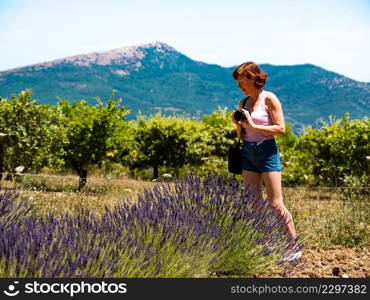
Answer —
333 34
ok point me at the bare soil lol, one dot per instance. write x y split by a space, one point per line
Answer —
333 262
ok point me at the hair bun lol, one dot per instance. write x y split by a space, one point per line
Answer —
260 80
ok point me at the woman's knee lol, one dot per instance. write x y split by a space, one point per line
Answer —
276 204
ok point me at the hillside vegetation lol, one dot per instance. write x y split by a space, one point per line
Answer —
157 78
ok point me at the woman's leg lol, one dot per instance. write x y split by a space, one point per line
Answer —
272 181
253 180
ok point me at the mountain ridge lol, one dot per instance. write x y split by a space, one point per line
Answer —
121 55
156 77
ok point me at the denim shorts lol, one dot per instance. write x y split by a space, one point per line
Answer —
261 156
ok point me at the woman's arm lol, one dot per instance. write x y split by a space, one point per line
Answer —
276 113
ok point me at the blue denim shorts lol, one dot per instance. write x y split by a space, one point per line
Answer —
261 156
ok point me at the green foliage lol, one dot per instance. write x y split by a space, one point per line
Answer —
172 144
163 141
357 187
336 151
297 169
90 132
287 140
81 137
221 132
30 139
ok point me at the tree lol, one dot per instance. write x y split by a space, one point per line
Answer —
26 127
88 130
161 141
336 151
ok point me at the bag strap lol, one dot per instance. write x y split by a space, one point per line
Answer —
245 101
242 130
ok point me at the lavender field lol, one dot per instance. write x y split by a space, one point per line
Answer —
192 228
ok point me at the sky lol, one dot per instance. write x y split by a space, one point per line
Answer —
332 34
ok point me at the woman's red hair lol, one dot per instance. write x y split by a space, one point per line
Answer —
251 70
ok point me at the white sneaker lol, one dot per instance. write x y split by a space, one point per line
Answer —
295 256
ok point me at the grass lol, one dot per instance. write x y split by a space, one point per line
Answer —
58 195
325 217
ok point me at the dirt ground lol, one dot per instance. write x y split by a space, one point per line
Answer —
334 262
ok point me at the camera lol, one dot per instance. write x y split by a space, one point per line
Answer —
239 116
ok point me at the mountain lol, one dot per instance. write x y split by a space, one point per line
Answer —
156 77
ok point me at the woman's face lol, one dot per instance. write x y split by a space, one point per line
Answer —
245 84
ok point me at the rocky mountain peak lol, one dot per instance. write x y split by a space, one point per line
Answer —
160 47
128 56
140 50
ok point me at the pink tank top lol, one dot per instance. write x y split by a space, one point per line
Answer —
261 117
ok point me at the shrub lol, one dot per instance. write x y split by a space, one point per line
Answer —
336 151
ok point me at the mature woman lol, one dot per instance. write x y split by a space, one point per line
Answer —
263 120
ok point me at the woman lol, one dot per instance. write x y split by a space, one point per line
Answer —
263 121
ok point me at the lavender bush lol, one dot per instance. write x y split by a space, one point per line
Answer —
12 211
190 228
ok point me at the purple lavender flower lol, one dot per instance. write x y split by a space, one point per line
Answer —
211 215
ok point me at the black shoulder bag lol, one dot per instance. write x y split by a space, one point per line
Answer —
235 153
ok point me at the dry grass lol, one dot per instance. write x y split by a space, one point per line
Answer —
326 217
58 195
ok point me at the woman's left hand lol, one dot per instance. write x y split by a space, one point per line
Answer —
249 123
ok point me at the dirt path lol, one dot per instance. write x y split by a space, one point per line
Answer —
334 262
